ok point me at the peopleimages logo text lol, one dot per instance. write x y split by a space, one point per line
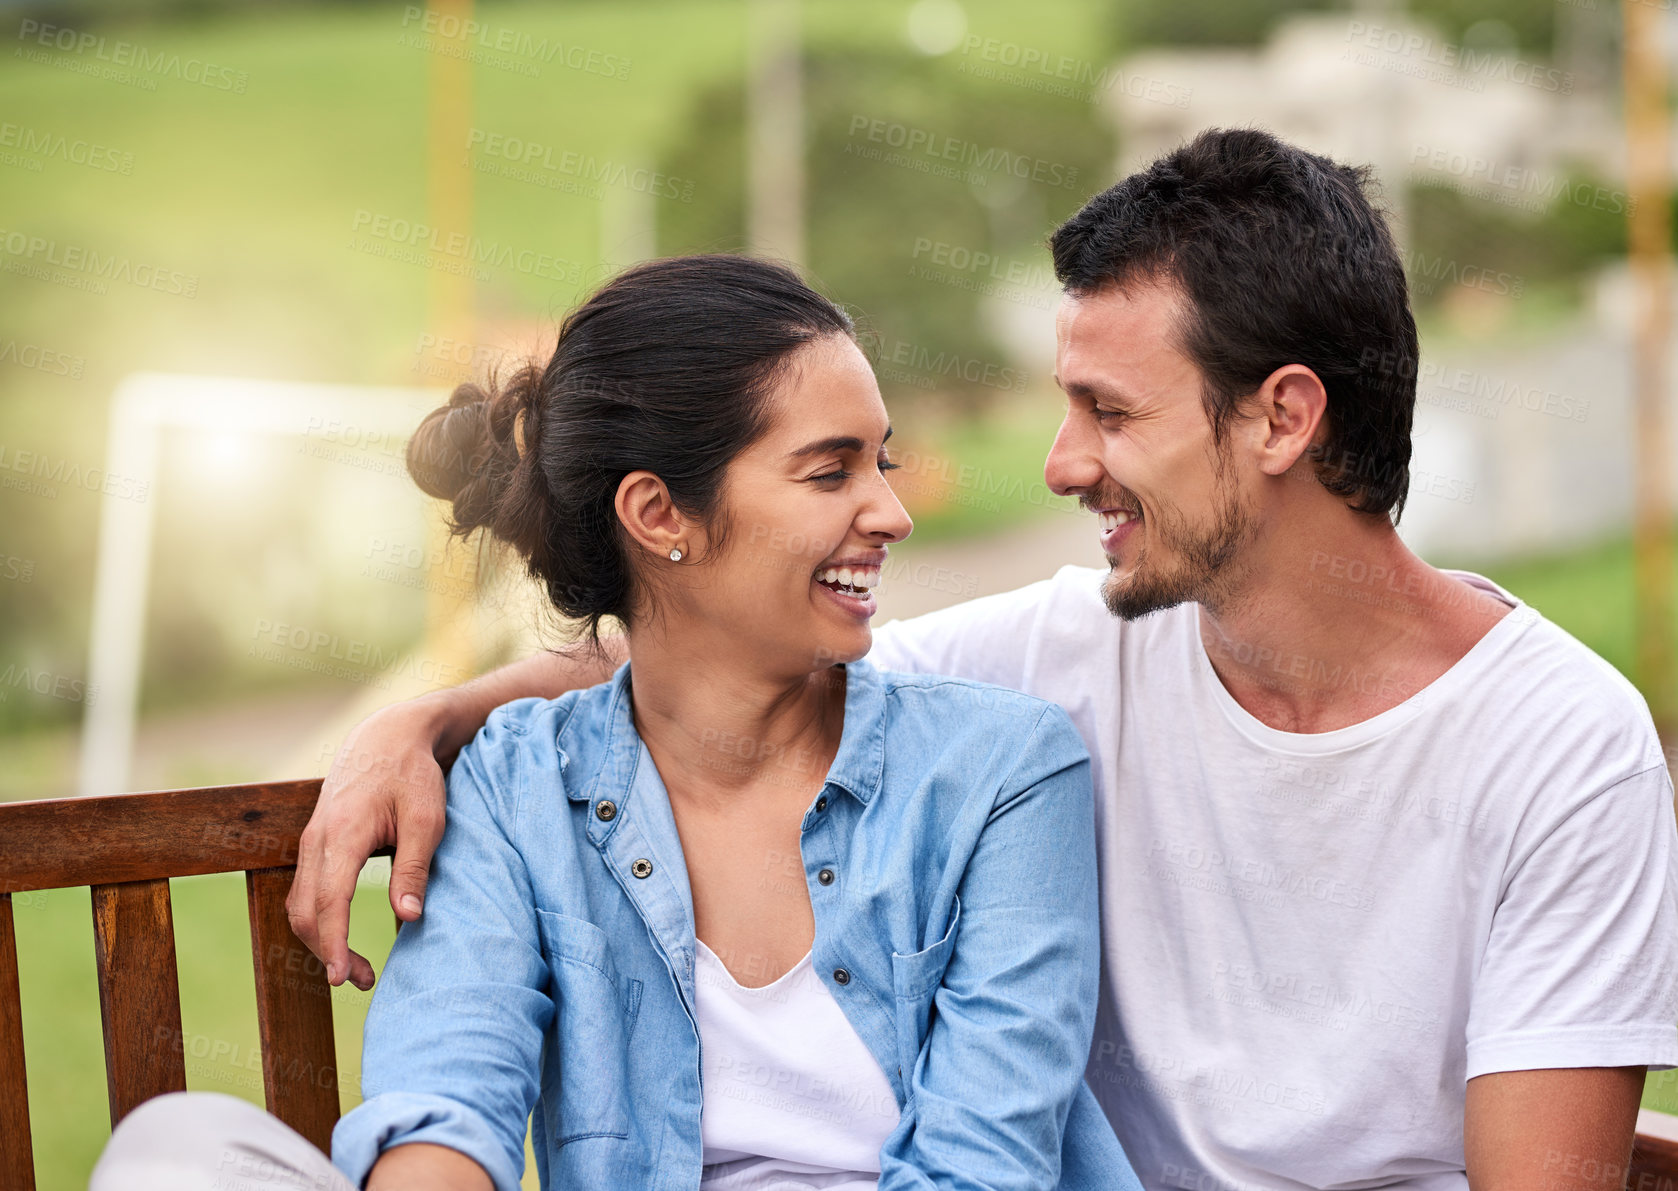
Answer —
504 40
993 159
118 52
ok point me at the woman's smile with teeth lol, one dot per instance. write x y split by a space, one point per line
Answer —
860 579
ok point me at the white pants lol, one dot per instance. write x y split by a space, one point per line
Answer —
207 1141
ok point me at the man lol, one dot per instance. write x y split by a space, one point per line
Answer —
1387 859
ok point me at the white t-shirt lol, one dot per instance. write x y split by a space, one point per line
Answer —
1312 941
793 1099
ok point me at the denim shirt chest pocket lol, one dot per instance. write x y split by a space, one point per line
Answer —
915 979
585 1064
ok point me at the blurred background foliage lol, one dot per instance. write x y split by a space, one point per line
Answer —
255 195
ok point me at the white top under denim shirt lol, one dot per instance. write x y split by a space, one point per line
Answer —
793 1098
554 967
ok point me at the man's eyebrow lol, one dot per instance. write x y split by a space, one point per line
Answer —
1094 392
838 442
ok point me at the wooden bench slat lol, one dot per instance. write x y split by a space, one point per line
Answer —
1654 1164
294 1014
17 1158
53 843
139 993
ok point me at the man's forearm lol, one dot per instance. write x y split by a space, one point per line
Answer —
458 712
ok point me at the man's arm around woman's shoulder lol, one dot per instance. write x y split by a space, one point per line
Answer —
386 788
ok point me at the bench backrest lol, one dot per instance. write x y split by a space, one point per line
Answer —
126 847
1654 1164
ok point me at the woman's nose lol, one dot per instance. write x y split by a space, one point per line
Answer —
886 518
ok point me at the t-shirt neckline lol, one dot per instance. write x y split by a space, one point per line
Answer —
703 948
1465 669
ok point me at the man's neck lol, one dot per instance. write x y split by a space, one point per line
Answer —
1336 621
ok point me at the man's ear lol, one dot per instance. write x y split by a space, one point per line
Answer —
1292 403
644 506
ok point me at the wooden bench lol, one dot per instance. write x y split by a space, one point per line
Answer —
127 846
1654 1155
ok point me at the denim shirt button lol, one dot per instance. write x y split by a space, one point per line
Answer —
642 868
821 804
840 976
605 810
825 876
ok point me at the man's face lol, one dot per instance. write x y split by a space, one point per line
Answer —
1137 449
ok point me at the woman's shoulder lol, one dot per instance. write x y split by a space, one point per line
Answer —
961 746
947 693
548 736
534 715
937 708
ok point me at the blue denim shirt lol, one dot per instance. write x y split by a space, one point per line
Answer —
554 967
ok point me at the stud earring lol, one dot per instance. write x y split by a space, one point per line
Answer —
676 555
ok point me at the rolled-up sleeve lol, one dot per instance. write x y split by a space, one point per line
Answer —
453 1039
1003 1061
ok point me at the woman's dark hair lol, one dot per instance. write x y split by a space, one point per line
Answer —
667 368
1283 260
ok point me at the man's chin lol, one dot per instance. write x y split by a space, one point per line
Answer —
1131 597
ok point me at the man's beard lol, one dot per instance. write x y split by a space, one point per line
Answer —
1200 565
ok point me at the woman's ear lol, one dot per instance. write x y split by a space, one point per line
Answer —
644 506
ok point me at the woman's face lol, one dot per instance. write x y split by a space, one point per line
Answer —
810 518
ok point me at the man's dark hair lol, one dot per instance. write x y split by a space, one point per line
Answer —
1283 260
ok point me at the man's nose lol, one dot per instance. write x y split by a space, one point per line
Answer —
1074 464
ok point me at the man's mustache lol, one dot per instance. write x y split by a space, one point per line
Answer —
1124 501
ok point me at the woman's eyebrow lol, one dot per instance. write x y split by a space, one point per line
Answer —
838 442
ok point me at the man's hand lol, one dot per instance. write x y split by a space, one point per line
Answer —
385 787
1552 1130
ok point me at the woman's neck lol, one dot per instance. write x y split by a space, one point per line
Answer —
725 727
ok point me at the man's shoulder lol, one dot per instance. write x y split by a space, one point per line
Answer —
1549 686
1073 592
1587 695
1050 637
1074 630
1067 604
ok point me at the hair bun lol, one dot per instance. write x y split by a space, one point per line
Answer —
457 455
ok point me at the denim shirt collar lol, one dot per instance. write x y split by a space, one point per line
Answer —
638 839
856 768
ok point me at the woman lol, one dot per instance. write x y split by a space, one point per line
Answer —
751 914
